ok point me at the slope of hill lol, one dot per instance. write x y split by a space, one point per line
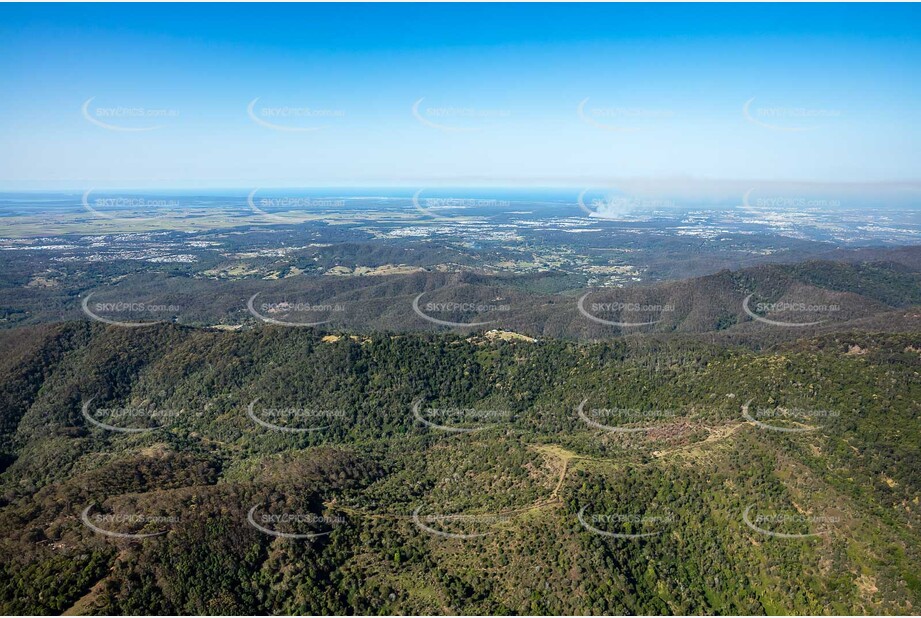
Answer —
280 470
765 303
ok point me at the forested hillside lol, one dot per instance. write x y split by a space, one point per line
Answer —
872 291
456 473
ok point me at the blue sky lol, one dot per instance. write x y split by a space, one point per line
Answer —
832 94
